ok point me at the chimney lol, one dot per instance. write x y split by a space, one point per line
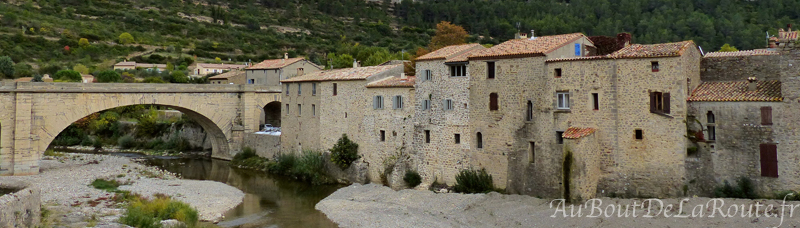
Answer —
751 84
355 63
533 35
403 76
285 55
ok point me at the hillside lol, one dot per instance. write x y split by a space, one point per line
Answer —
47 33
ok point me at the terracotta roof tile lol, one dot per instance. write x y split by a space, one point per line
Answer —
446 52
527 47
344 74
125 64
150 65
221 66
786 36
652 50
577 58
577 132
274 64
737 91
391 82
463 57
226 75
741 53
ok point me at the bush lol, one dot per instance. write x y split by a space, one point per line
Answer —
474 181
246 153
106 185
344 153
68 76
309 166
108 76
149 213
153 80
126 142
793 197
412 178
744 189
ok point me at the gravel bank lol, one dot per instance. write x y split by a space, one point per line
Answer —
379 206
64 183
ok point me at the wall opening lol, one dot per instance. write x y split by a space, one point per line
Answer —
427 136
479 140
531 152
272 114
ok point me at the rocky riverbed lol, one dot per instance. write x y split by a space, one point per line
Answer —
379 206
71 201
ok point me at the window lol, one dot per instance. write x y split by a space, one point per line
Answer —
287 89
766 115
287 109
654 66
479 140
448 104
489 69
560 137
659 102
299 88
529 111
426 104
377 102
427 136
426 75
334 89
595 101
398 102
769 160
313 89
458 138
299 109
531 152
458 71
712 132
710 117
493 102
383 136
314 110
577 49
563 100
251 81
638 134
557 73
299 71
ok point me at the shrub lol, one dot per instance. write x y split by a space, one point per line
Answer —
310 166
744 189
283 163
68 76
246 153
474 181
793 197
412 178
344 152
106 185
149 213
153 80
126 142
108 76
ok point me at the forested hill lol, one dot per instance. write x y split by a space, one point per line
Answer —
48 32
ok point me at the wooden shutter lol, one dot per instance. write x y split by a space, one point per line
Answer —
766 115
375 102
666 102
652 102
769 160
493 102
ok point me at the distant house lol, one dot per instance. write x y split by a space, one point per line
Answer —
231 77
272 71
204 69
88 78
125 65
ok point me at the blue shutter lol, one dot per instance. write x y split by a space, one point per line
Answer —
577 49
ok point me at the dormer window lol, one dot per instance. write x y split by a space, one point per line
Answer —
654 66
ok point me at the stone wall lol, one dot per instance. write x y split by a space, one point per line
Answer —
20 208
741 67
265 145
300 117
397 126
585 167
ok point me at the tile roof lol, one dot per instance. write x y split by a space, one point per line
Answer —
226 75
577 132
344 74
446 52
221 66
274 63
463 57
391 82
652 50
741 53
577 58
527 47
737 91
785 36
125 64
149 65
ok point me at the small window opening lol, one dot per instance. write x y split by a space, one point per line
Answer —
595 101
490 70
479 140
639 134
383 136
427 136
558 73
458 138
334 89
560 137
493 102
654 66
529 111
531 152
710 117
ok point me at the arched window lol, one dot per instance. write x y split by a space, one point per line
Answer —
493 102
479 140
529 112
710 117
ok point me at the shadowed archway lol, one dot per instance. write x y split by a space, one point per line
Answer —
272 114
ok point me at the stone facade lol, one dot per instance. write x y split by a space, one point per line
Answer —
33 114
282 69
763 67
265 145
21 208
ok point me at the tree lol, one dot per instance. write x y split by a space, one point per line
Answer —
344 152
81 68
447 34
6 67
108 76
728 48
170 67
37 78
217 60
83 42
125 38
68 76
179 77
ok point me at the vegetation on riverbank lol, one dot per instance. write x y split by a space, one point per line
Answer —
141 212
308 166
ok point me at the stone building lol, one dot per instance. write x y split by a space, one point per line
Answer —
441 117
361 102
238 77
272 71
203 69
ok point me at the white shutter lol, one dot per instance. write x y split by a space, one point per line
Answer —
375 102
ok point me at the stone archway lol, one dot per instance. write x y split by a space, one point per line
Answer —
272 114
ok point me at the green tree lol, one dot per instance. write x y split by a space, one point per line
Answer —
37 78
108 76
217 60
83 42
81 68
153 80
728 48
125 38
179 77
6 67
344 152
170 67
68 76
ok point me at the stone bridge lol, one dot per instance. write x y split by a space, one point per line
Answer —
33 114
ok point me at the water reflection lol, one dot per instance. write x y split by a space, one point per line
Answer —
269 201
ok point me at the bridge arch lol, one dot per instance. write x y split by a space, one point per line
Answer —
272 114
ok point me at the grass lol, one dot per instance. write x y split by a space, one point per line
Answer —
106 185
53 153
474 181
144 213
